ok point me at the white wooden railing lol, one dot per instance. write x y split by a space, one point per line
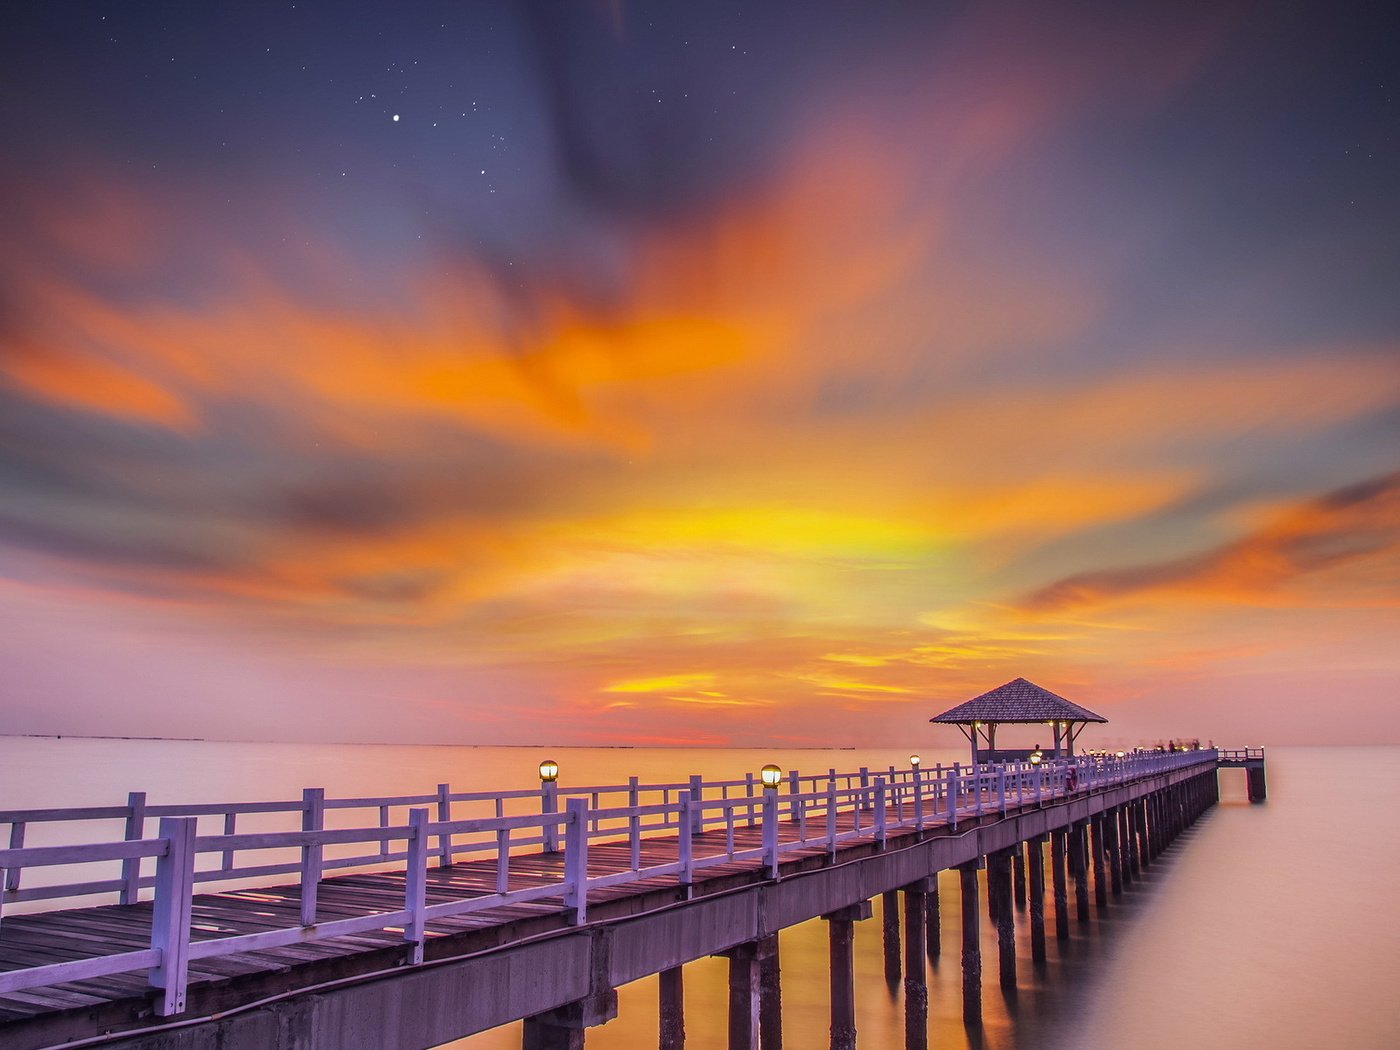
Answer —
805 815
1243 754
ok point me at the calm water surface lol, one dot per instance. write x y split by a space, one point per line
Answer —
1273 925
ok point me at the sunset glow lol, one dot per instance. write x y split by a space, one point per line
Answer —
822 402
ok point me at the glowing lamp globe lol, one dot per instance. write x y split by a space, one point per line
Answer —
549 770
914 761
772 776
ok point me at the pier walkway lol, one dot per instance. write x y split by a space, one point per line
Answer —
409 921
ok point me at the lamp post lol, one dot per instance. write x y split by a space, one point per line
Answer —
918 793
549 802
771 776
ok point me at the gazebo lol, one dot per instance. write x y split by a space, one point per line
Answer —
1018 702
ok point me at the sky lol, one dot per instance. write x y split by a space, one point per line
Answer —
676 373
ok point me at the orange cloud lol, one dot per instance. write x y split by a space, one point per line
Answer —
1359 524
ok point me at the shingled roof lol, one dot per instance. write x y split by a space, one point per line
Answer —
1018 701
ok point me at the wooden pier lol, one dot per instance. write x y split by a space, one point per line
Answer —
398 923
1251 760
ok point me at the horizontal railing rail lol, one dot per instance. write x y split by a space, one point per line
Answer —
665 826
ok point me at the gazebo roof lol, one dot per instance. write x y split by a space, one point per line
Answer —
1017 701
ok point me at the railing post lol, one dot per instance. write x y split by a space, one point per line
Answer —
170 915
880 817
697 814
415 886
1001 790
444 815
952 796
549 805
770 831
313 818
135 829
576 860
748 793
864 789
634 825
230 826
831 816
11 878
797 808
685 846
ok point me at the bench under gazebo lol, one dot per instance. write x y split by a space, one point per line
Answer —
1018 702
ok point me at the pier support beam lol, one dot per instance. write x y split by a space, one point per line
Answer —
743 996
933 925
1099 850
672 996
915 981
1135 838
770 995
1254 781
1079 868
1018 874
563 1029
1035 860
841 933
971 947
999 907
537 1035
889 923
1131 872
1115 853
1144 836
1058 882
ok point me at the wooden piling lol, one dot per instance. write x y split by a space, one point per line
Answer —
537 1035
1254 780
841 937
915 980
889 922
999 908
770 995
971 947
1018 874
1127 828
1035 860
1079 868
933 925
672 1001
1138 840
743 997
1058 882
1115 853
1097 848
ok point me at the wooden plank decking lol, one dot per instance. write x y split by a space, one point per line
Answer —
58 936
